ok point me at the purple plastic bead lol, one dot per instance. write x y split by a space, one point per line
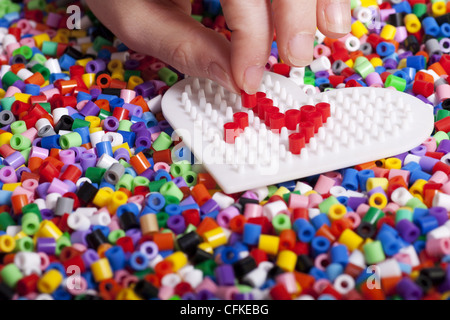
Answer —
353 77
423 99
149 174
176 223
408 230
249 195
122 153
419 151
445 286
36 142
133 109
95 66
79 237
322 74
21 170
154 129
427 163
95 93
146 89
14 160
355 202
47 214
87 160
243 296
111 124
150 249
440 213
71 187
205 295
42 188
163 125
131 64
434 58
89 257
390 64
20 84
209 206
143 139
189 200
376 190
225 275
405 55
189 296
408 290
134 234
90 109
180 182
402 156
444 146
140 125
46 245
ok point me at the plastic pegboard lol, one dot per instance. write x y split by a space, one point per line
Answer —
366 124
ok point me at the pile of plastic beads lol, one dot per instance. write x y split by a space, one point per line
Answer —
94 204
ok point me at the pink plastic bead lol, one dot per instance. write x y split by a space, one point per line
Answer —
253 210
321 261
314 200
438 247
24 25
336 176
226 293
446 188
49 93
21 190
138 199
362 209
30 184
165 293
298 201
57 186
127 95
67 156
401 34
45 260
79 246
443 92
288 281
402 173
321 51
207 284
77 286
155 136
8 175
12 90
225 216
270 62
320 285
391 208
11 47
380 172
39 152
430 144
439 177
354 218
161 165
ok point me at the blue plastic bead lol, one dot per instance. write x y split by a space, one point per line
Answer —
156 201
58 76
108 97
32 89
343 200
411 167
333 270
290 185
116 257
416 62
419 213
66 62
149 119
51 142
320 245
81 96
320 220
138 261
61 294
128 207
84 133
390 244
162 174
116 103
320 81
229 255
339 254
77 116
403 6
363 176
385 49
419 246
212 214
165 253
427 223
305 231
411 74
5 197
104 229
128 137
445 30
325 297
89 277
430 26
418 174
380 69
350 179
251 234
104 147
317 273
57 266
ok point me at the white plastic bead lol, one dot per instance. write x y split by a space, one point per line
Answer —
272 209
222 200
170 280
58 113
357 258
79 222
9 39
256 277
441 200
439 233
53 65
297 72
51 200
411 252
122 56
411 158
194 278
401 196
154 104
262 193
344 283
302 187
82 180
96 137
24 73
4 69
106 161
102 218
40 203
352 44
87 212
185 270
44 296
305 297
155 261
313 212
338 191
389 268
13 230
113 137
28 262
320 64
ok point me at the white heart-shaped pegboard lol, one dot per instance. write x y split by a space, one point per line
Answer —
366 124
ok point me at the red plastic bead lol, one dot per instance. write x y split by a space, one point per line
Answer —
248 100
296 142
230 132
292 119
241 119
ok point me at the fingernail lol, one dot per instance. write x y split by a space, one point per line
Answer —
338 16
252 79
301 49
218 74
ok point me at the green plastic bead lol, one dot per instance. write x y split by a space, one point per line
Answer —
310 81
197 17
25 51
156 185
125 125
373 252
326 204
103 114
30 223
190 178
126 181
170 188
439 136
99 42
9 78
19 142
441 114
95 174
13 7
175 297
373 215
42 70
363 67
281 222
396 82
18 127
124 163
37 5
49 48
39 58
26 153
286 197
168 76
47 106
130 73
25 244
243 288
420 9
207 266
61 243
171 199
115 235
177 169
163 142
79 123
162 218
416 203
32 208
142 273
190 228
7 103
11 274
272 190
309 73
354 4
70 140
6 220
140 182
403 214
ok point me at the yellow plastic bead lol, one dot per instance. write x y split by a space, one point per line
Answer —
60 38
77 33
7 243
20 235
281 191
367 241
287 260
368 3
103 197
393 163
359 29
438 8
118 75
378 200
88 79
350 239
402 64
205 246
50 281
414 274
85 47
376 62
83 62
337 211
127 294
215 237
11 186
95 121
310 192
23 97
46 83
101 270
40 38
133 82
95 129
263 202
412 23
388 32
178 259
269 244
417 188
48 229
349 63
2 93
118 198
123 145
115 65
373 183
5 138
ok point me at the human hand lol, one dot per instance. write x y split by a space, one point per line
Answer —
164 29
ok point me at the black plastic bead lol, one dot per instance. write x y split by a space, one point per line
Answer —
366 230
112 91
64 123
201 256
436 274
325 86
86 192
74 53
412 44
189 242
446 104
6 293
18 59
95 239
424 283
396 19
244 201
244 266
145 290
304 263
274 272
128 221
443 19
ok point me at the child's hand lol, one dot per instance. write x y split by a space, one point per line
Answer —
165 30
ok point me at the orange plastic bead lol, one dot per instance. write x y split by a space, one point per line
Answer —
34 163
325 231
164 241
287 240
139 101
237 224
109 289
423 53
117 84
18 201
36 78
200 194
103 104
364 166
207 180
139 163
206 225
423 76
163 267
16 67
304 280
437 67
103 81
